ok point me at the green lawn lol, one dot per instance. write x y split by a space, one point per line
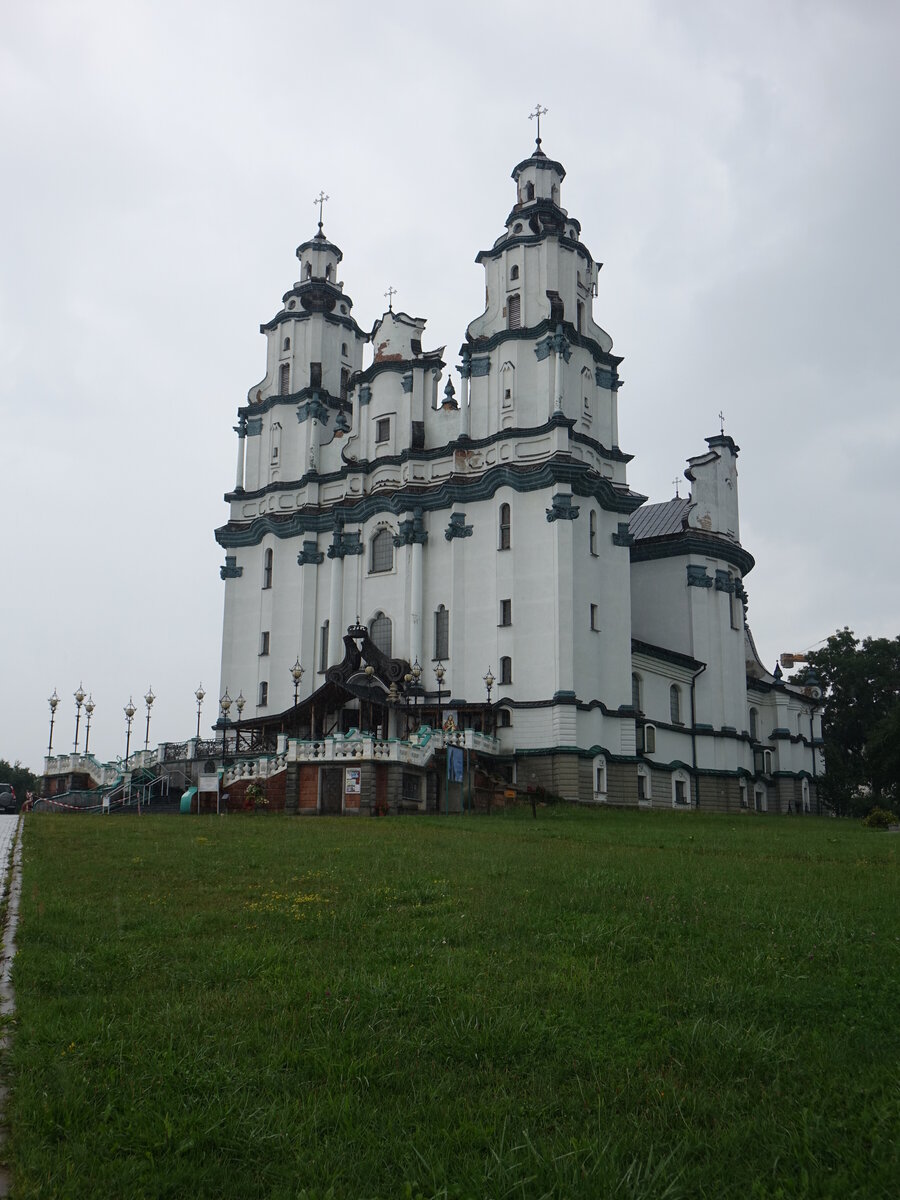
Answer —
586 1005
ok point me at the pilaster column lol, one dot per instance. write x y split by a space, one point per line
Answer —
416 551
465 372
241 430
335 611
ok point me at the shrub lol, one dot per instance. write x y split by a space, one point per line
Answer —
879 818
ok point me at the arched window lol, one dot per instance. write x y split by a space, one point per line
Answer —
309 270
263 694
592 532
554 193
579 310
344 351
675 704
644 785
507 385
381 631
268 559
345 382
649 739
600 777
636 692
328 271
323 648
505 670
529 191
514 271
514 311
442 633
680 794
284 381
505 540
286 344
587 395
382 552
754 725
504 718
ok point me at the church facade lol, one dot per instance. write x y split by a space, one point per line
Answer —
452 559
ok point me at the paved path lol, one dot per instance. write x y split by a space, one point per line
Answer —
7 1001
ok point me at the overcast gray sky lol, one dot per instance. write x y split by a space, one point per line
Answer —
734 165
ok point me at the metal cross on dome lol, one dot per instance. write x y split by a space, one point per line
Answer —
721 423
391 293
676 481
538 112
320 200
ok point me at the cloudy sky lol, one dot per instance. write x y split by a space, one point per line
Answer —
733 165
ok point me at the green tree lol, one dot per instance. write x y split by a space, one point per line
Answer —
20 777
861 719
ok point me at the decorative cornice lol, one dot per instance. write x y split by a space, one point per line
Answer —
254 426
581 479
431 359
665 655
562 509
481 366
457 527
694 541
724 582
275 399
302 314
231 570
534 332
607 379
406 382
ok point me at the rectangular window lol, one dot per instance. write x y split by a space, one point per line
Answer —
264 643
506 612
411 787
514 311
642 788
323 648
284 381
382 430
442 633
680 791
595 618
345 382
737 609
315 374
263 694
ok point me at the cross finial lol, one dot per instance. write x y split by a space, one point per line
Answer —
391 293
320 200
676 481
721 423
538 112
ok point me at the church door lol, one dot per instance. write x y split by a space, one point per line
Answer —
332 790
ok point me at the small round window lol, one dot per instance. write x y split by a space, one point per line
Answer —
292 304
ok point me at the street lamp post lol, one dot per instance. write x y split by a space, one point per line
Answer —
199 694
439 672
489 682
240 702
225 705
417 675
79 700
53 702
89 707
296 675
129 711
148 700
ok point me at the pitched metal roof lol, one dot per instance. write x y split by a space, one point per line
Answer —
659 520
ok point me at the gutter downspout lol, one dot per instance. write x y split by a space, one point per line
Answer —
694 679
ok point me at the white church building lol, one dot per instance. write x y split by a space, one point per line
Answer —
449 555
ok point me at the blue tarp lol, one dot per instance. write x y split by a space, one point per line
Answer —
455 764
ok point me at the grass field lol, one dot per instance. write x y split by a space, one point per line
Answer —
587 1005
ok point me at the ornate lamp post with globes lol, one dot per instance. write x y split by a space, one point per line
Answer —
239 703
129 711
199 695
225 705
148 700
296 675
53 702
79 700
89 707
489 682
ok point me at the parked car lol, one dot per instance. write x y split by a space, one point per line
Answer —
8 798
